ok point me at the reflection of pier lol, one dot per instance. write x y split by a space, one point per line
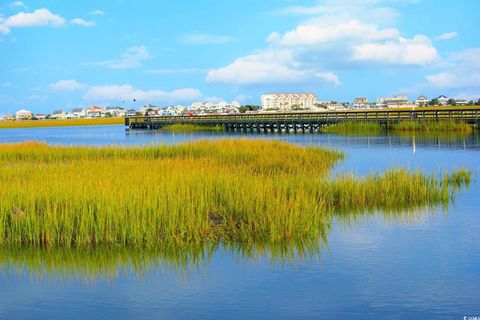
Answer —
306 121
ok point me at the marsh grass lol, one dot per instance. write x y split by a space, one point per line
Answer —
60 122
406 126
431 126
351 127
191 127
229 191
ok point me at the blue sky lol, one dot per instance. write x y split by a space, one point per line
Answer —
65 54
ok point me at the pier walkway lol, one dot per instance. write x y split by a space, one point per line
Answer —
307 121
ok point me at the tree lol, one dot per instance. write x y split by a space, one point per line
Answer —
434 102
451 102
478 102
248 107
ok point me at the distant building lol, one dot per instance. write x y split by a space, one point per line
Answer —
361 101
443 100
58 114
461 102
130 112
288 101
77 113
7 117
23 114
422 101
394 102
94 112
40 116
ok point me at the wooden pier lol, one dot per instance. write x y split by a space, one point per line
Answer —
307 121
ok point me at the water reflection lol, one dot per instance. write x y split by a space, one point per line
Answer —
108 262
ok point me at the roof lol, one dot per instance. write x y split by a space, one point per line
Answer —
77 109
422 98
291 95
23 111
58 111
95 108
442 97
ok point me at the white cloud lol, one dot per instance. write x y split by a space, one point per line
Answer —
40 17
67 85
416 51
319 31
132 58
268 66
97 13
329 77
461 70
81 22
201 38
167 71
17 4
447 36
311 51
115 93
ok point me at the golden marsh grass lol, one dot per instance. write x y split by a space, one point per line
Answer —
60 122
229 191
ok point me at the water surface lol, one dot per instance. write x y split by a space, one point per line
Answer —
421 265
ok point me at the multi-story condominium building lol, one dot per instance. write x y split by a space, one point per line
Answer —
422 101
288 101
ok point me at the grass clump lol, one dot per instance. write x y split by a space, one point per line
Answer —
431 126
60 122
351 127
230 191
405 126
191 127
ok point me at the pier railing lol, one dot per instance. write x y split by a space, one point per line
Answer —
307 120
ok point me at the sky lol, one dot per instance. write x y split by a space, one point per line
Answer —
66 54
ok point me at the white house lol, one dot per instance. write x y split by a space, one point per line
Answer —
40 116
77 113
422 101
23 114
461 102
58 114
442 100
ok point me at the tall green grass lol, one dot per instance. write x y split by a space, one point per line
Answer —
229 191
431 126
352 127
367 128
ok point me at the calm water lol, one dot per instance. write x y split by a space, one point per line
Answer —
424 265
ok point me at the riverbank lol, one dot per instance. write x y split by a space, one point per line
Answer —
226 191
60 122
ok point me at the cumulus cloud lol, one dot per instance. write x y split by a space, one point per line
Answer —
447 36
461 71
115 93
17 4
317 32
201 38
416 51
81 22
40 17
268 66
311 51
67 85
132 58
97 13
